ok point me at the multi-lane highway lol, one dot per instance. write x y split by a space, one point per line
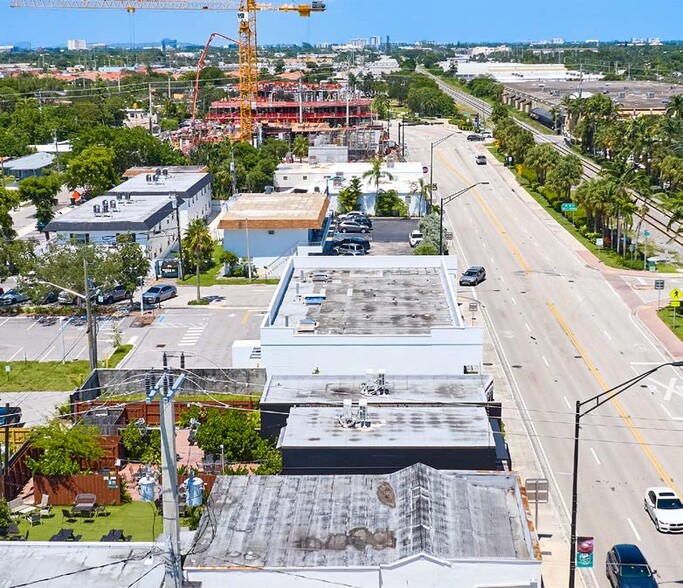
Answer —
564 332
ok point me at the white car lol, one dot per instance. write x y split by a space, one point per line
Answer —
665 509
415 238
487 134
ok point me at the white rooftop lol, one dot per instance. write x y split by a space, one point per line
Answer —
181 183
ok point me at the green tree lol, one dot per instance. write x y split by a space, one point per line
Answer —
426 248
197 242
41 191
674 108
375 173
300 147
130 262
388 203
142 447
423 190
542 159
65 448
430 226
566 173
9 201
93 167
5 514
349 196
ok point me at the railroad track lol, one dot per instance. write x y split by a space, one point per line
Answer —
659 221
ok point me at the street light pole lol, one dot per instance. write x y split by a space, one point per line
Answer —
431 163
92 325
599 400
446 200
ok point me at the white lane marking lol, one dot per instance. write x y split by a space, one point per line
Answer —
607 335
545 361
132 340
33 324
3 322
666 410
633 528
578 297
49 351
569 406
493 261
595 455
81 351
643 282
17 353
188 344
512 299
528 328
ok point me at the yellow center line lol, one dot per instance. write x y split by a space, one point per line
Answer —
666 478
246 316
503 233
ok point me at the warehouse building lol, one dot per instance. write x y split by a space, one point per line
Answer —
414 528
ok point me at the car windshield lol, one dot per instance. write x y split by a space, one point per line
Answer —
669 503
635 571
471 272
154 290
417 235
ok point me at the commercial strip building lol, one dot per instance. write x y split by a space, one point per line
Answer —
415 527
383 439
268 228
283 392
331 178
29 165
345 315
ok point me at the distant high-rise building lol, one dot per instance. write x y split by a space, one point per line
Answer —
387 49
375 42
167 44
22 46
76 45
358 43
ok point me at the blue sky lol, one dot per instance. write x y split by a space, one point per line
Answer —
402 20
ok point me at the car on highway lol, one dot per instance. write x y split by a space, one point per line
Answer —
415 238
13 297
626 567
480 159
473 276
474 137
159 293
352 226
665 509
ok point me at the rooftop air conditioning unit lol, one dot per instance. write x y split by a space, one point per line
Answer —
155 178
126 196
96 209
105 207
112 205
119 196
268 190
148 177
650 94
157 173
164 172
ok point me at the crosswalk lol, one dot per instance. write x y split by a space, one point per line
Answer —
191 336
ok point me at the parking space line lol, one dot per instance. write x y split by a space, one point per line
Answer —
569 406
3 322
33 324
17 353
595 455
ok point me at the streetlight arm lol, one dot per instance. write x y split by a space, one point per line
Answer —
608 395
77 294
451 197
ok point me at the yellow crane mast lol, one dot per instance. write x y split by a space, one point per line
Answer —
246 14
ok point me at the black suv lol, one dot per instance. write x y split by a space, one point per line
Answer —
626 567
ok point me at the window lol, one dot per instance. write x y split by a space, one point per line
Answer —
80 237
271 232
284 177
305 177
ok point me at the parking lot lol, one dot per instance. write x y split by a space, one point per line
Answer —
389 236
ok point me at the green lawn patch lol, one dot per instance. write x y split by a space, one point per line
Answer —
667 316
41 376
137 519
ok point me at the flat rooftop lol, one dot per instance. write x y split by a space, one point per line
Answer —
387 426
362 520
183 184
171 169
408 389
275 211
366 300
628 94
136 214
348 169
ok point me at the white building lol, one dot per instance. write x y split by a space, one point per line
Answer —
76 45
414 528
403 177
384 65
345 315
268 228
510 72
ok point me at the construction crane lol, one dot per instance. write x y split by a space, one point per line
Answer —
246 15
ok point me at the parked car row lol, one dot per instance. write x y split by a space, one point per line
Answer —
97 296
354 222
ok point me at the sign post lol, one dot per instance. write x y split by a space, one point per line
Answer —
659 286
646 234
675 296
536 491
569 207
584 552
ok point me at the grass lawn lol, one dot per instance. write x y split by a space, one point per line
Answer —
136 519
40 376
667 316
209 277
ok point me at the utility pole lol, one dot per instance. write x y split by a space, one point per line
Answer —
92 325
166 389
233 174
57 150
176 205
151 106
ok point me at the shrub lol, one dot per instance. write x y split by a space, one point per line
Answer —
426 248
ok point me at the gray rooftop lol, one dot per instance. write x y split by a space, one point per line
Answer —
61 565
30 162
362 520
388 426
137 214
410 389
182 184
400 300
628 94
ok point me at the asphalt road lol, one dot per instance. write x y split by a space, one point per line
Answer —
564 333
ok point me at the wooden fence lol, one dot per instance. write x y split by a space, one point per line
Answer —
17 473
150 412
63 490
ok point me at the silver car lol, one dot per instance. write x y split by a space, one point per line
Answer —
157 294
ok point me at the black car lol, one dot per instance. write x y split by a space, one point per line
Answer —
473 276
474 137
337 241
626 567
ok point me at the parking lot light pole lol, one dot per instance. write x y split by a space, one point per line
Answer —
596 402
446 200
431 164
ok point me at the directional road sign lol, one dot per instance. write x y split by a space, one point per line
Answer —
568 207
675 294
646 233
659 284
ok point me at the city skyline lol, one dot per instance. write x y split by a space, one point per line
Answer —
352 19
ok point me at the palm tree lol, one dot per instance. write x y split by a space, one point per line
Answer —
421 189
375 173
675 208
300 147
542 159
566 173
674 108
198 242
